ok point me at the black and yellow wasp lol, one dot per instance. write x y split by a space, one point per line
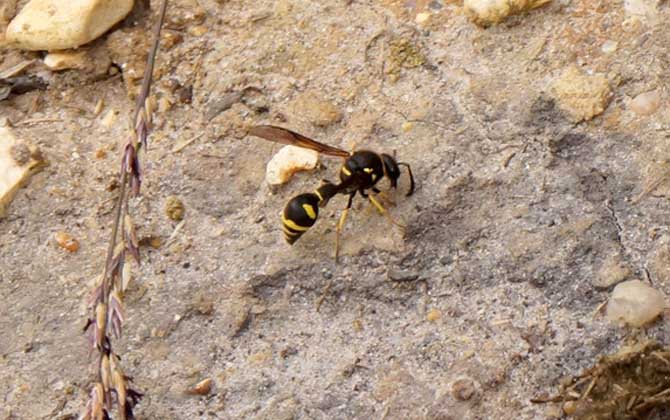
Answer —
361 171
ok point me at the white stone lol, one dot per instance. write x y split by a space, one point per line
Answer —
488 12
60 24
422 18
609 46
646 103
634 303
289 160
18 161
64 60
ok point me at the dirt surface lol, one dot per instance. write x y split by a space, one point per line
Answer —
521 218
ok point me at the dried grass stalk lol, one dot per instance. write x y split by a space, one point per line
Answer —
112 386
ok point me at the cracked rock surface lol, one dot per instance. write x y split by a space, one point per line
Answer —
522 222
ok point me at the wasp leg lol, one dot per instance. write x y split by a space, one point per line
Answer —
338 229
383 211
340 225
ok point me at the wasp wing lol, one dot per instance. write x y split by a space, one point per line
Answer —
285 136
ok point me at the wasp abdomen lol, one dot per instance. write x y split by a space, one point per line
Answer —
299 215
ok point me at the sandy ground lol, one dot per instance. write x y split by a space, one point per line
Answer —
520 213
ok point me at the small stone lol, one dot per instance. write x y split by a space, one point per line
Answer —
433 315
58 25
170 39
316 110
94 63
235 316
401 275
65 60
174 208
488 12
100 153
407 126
580 95
609 46
66 241
646 103
203 304
570 408
18 162
463 389
155 242
198 30
289 160
611 272
634 303
422 18
203 387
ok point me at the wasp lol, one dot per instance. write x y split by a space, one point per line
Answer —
359 174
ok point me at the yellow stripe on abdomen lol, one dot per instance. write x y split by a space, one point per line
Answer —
309 210
293 225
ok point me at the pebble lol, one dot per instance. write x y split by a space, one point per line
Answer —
609 46
397 275
570 408
18 161
433 315
581 96
612 271
174 208
489 12
634 303
198 30
66 241
646 103
94 63
203 387
64 60
422 18
463 389
58 25
289 160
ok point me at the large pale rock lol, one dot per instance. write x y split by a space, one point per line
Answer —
59 24
18 161
635 303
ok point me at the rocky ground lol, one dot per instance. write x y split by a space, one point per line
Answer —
540 184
